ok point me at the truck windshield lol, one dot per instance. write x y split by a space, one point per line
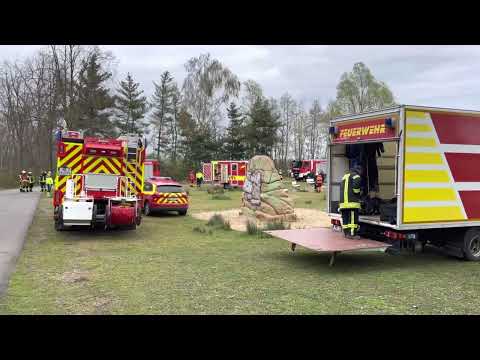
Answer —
296 164
169 189
100 181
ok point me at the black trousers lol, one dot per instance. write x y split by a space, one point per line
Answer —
350 221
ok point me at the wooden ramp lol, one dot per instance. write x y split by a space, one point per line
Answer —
325 240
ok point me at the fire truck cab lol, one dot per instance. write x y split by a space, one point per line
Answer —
98 181
301 169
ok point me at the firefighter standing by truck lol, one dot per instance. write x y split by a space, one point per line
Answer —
349 205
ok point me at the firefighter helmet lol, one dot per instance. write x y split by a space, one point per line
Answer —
24 172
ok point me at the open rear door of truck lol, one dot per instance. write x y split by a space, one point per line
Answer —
325 240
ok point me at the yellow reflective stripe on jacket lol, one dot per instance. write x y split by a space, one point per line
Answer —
356 191
346 177
356 176
350 205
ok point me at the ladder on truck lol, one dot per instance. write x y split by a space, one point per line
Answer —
133 158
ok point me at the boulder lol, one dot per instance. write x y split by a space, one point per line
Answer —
265 196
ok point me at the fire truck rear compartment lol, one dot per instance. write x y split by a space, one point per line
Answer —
387 175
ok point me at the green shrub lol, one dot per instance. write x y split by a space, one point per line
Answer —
252 228
221 197
219 221
215 189
277 225
199 229
308 202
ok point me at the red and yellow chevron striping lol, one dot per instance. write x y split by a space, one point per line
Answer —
72 159
172 198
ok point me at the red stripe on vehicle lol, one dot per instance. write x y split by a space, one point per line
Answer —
465 167
471 201
456 128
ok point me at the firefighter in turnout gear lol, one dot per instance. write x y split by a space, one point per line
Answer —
23 179
42 180
199 177
350 202
31 181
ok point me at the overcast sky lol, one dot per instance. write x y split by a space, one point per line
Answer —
444 76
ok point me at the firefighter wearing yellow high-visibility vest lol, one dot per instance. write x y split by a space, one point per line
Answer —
349 205
199 176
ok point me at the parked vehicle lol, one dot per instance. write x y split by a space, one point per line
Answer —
98 181
229 173
164 194
302 169
421 166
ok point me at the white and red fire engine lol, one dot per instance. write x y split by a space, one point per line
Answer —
98 181
230 173
301 169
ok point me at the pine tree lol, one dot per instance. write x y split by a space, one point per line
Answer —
131 107
162 115
261 129
95 103
234 141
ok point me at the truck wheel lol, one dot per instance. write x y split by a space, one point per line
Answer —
182 212
471 244
59 220
146 209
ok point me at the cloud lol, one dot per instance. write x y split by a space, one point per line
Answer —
425 75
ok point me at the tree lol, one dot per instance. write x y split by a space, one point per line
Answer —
288 108
174 129
196 145
317 130
262 126
234 141
299 132
359 91
207 87
95 102
131 107
162 105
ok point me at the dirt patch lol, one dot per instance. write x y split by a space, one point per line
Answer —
75 276
306 218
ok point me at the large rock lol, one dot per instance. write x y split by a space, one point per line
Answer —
264 195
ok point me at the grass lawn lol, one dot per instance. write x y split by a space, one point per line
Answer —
165 267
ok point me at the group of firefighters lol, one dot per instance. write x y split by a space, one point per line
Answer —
27 181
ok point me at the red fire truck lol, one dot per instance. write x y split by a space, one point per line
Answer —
301 169
152 168
230 173
98 181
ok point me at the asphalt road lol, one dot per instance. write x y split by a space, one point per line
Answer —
16 215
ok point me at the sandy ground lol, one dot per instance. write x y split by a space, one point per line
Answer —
306 218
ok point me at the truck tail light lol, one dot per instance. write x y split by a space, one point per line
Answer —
336 222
